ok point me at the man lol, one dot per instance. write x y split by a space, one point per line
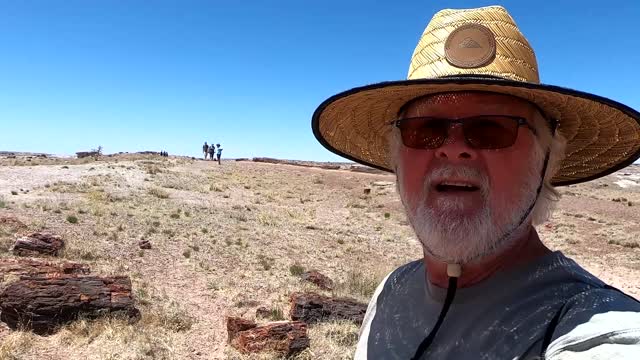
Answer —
219 153
477 145
205 150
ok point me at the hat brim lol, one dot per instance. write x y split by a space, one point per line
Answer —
603 136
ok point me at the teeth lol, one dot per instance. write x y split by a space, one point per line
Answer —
457 184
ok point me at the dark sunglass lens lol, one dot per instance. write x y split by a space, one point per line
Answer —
491 132
423 133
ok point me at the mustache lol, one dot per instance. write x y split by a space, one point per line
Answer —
460 172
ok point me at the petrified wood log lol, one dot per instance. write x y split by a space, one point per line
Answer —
312 308
284 337
317 278
38 243
43 303
24 267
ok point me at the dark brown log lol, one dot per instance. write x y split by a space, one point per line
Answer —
284 337
236 324
38 243
29 267
43 303
312 308
318 279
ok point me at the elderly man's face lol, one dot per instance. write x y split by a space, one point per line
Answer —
462 224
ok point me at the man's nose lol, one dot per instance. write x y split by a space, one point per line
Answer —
455 147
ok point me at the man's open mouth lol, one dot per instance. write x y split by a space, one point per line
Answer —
455 187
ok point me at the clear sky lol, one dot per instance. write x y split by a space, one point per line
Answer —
151 75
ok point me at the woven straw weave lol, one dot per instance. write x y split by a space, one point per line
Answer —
602 135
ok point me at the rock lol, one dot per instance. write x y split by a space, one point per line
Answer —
29 267
144 244
318 279
38 244
382 183
243 159
286 338
43 303
236 325
313 308
367 191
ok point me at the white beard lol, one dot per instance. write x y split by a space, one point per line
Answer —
462 239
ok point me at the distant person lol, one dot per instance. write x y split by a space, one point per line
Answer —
205 150
212 152
219 153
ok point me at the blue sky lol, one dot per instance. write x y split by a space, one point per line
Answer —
151 75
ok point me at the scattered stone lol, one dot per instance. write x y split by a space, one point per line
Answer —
43 303
144 244
38 243
382 183
367 191
30 267
286 338
320 280
236 325
313 308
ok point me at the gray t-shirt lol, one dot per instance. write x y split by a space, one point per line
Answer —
503 317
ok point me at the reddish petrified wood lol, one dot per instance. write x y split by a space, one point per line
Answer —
312 308
284 337
43 303
317 278
22 267
38 243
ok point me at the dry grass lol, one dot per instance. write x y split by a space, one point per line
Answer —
229 239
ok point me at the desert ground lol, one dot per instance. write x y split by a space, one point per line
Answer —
227 239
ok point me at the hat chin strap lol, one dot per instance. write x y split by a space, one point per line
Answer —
454 271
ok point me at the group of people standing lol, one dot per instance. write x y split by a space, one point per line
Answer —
213 151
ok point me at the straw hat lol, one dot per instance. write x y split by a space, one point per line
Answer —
481 49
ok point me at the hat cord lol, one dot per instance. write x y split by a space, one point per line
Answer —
453 278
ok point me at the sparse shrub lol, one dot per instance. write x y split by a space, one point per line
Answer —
13 192
340 241
187 214
175 216
266 262
387 215
195 247
3 204
187 253
82 211
57 211
120 227
358 283
204 230
276 314
156 223
72 219
296 269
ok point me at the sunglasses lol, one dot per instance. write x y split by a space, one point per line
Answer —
480 132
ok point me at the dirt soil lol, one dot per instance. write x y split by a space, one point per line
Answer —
227 239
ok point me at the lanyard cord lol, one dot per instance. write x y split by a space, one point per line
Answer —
451 292
453 280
